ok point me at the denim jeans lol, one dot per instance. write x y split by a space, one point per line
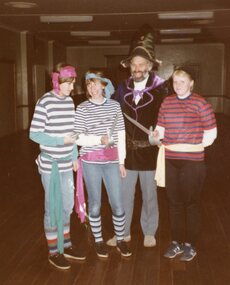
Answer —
67 189
109 173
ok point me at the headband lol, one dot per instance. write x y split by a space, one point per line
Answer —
65 72
109 89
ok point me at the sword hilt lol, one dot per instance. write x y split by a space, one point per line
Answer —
110 139
153 140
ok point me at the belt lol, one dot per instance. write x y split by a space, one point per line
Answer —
135 144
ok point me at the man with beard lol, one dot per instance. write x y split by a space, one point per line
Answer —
140 97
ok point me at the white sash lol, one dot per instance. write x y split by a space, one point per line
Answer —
160 170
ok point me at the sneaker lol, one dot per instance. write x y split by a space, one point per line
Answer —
123 248
73 253
58 260
101 249
173 250
189 252
113 240
149 241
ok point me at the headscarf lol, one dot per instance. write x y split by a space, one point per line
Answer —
109 89
65 72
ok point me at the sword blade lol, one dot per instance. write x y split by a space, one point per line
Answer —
137 124
114 125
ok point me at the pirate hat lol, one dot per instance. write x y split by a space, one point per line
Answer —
142 45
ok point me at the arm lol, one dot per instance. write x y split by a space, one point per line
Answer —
88 140
44 139
74 158
122 152
80 127
121 146
209 137
209 124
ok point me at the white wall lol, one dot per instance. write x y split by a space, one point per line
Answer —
208 58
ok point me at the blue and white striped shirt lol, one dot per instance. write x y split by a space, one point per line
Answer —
96 119
54 117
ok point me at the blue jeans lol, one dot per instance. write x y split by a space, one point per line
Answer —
67 189
93 175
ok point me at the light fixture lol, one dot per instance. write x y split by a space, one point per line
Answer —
91 33
104 42
21 5
179 31
186 15
65 19
184 40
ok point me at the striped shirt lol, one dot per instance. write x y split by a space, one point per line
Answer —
54 116
98 119
185 121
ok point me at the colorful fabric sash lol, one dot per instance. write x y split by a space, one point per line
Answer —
55 199
103 155
160 170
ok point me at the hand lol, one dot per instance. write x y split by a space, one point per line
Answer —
122 171
105 140
69 139
154 137
75 165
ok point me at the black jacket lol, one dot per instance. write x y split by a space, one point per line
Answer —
140 154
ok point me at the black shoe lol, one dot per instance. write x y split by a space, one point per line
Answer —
101 249
73 253
174 249
123 248
189 252
58 260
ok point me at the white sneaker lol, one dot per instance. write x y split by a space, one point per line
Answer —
113 240
149 241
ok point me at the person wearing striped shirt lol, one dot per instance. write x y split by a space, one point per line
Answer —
51 128
186 124
102 156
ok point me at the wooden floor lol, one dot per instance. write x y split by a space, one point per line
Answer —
23 252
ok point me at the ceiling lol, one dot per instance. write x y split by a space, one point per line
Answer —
121 18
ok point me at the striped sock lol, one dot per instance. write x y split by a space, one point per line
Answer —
51 237
119 226
95 223
67 241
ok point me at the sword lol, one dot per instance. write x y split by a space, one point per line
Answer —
110 132
152 140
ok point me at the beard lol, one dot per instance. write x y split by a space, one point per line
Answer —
139 76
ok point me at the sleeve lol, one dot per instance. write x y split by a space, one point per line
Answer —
39 118
209 124
44 139
37 128
121 145
209 137
88 140
74 153
160 119
207 116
